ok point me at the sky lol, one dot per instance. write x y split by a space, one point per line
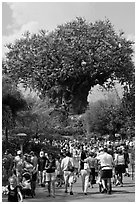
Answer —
19 17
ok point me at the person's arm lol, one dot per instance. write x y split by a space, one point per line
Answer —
116 160
24 166
112 161
20 194
46 164
14 163
62 165
86 160
35 165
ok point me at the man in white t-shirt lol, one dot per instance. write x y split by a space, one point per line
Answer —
106 163
68 175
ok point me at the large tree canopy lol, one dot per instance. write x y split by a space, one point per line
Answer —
67 62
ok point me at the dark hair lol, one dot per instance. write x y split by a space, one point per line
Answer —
105 149
68 154
32 153
51 154
120 151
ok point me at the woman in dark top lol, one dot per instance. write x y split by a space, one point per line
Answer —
41 168
126 156
84 173
50 174
82 157
14 193
119 167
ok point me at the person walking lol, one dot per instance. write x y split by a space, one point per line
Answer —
84 171
18 165
126 156
119 167
41 168
59 173
67 166
50 174
7 163
92 164
88 172
34 161
106 163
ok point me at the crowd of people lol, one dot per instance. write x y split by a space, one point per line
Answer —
102 162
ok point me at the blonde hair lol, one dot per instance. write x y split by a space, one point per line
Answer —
13 179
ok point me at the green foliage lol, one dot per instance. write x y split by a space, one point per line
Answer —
12 102
65 63
128 105
105 117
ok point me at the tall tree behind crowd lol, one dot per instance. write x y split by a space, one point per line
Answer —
66 63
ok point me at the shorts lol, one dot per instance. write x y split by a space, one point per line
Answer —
120 169
106 173
50 176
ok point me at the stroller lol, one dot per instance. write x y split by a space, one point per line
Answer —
26 185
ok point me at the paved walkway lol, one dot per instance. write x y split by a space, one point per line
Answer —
119 194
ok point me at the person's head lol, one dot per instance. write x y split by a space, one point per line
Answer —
100 149
25 156
120 151
81 146
91 154
105 149
32 153
28 158
109 151
13 181
67 154
50 156
58 157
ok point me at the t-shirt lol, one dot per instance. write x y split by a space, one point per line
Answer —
65 161
90 161
28 166
120 159
41 163
106 160
13 194
18 163
83 156
50 166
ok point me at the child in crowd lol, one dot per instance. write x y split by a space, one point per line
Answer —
14 193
